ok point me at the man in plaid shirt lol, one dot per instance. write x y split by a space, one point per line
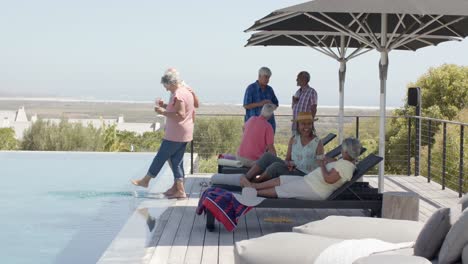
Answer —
305 98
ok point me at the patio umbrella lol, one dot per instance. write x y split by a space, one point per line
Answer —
379 24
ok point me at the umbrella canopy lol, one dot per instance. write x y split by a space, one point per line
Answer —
374 24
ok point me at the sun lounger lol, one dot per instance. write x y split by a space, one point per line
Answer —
231 186
346 197
232 170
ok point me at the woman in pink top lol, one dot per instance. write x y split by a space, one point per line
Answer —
179 130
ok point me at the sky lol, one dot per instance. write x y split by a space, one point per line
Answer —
118 50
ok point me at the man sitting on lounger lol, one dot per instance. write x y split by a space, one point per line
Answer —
318 184
258 137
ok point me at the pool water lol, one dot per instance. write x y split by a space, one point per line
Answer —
66 207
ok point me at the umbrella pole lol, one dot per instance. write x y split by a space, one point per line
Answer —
383 69
342 75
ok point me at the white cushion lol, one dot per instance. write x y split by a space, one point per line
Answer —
281 248
228 179
345 227
392 259
229 162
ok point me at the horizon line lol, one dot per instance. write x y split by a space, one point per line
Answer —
77 100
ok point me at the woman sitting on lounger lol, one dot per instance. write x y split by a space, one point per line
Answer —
318 184
300 158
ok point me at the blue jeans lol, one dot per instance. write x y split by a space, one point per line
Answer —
174 153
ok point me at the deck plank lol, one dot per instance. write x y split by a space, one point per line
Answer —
211 246
197 237
254 229
180 245
226 247
163 248
181 236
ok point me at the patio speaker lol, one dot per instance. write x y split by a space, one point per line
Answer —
414 96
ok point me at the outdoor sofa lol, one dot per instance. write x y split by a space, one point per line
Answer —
443 239
351 195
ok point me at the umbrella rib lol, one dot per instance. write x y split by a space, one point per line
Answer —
256 37
324 44
348 42
413 35
405 32
353 55
352 22
449 28
328 50
343 30
347 30
416 18
299 32
279 15
349 25
268 37
365 26
423 41
273 21
318 48
400 22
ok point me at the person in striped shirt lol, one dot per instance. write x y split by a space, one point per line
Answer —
305 98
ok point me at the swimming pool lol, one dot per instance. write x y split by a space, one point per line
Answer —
66 207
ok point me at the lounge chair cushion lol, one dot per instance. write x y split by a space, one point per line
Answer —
391 259
228 162
345 227
281 248
433 234
228 179
455 241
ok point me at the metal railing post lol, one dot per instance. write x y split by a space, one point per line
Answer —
460 175
191 157
417 150
357 126
409 147
444 155
429 132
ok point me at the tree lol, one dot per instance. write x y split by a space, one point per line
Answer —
7 139
64 136
452 150
151 141
444 92
215 135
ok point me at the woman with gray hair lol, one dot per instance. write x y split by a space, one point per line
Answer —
179 114
318 184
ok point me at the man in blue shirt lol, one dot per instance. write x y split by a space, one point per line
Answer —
258 94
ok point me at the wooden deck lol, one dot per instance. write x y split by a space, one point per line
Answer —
181 237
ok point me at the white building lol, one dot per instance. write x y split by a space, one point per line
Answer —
19 122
